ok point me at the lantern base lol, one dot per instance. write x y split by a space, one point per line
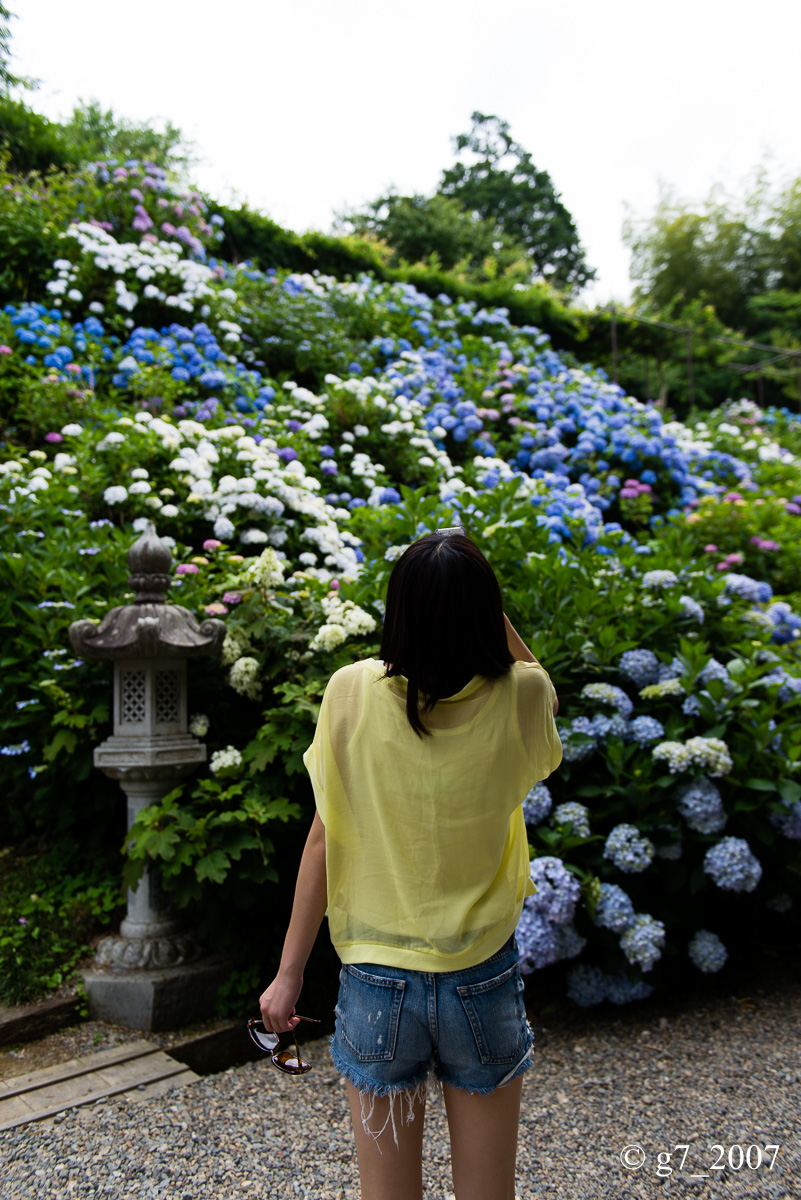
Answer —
167 998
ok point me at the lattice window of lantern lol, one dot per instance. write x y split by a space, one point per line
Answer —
166 696
134 689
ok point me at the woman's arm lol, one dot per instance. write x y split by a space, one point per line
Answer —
278 1002
521 653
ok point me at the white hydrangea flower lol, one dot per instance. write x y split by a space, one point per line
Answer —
328 637
254 537
235 644
228 759
659 579
668 687
116 494
199 725
711 754
266 571
243 678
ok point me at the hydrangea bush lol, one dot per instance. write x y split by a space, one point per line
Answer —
289 435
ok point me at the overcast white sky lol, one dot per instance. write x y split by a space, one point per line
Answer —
304 107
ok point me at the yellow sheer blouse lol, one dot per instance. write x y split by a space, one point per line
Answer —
426 848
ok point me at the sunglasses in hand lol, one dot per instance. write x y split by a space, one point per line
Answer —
285 1060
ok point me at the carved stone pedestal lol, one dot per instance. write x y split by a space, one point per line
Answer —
155 999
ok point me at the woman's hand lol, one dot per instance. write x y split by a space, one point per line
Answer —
278 1002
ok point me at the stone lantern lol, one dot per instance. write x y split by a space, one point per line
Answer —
154 975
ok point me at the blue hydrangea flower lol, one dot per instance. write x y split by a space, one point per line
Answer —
788 623
780 903
707 952
575 814
620 989
789 821
588 986
645 730
605 727
692 608
607 693
640 666
575 751
716 670
629 851
748 588
538 945
558 889
643 940
732 865
701 806
542 941
615 909
537 804
672 851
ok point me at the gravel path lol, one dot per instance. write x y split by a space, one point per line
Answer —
718 1070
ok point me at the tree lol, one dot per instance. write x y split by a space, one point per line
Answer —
7 78
718 253
437 230
502 184
34 144
95 133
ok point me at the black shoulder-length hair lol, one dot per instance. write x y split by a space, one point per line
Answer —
443 622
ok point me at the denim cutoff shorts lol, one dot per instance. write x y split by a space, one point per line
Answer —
468 1028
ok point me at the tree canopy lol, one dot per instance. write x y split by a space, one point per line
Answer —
727 252
495 215
438 231
500 182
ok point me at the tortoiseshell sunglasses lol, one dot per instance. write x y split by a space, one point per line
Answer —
285 1060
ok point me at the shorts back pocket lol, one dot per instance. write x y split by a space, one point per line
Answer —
369 1010
497 1016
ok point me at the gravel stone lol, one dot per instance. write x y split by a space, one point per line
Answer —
719 1070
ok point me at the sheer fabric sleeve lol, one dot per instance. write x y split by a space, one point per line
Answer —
535 696
316 758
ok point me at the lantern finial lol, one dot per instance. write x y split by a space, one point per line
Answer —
149 563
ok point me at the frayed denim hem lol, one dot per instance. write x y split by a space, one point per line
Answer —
369 1092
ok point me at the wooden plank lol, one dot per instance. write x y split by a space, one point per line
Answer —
75 1066
163 1071
29 1022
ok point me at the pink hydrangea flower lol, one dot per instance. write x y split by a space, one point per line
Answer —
186 569
216 609
6 350
232 598
333 583
53 437
211 544
711 548
732 496
734 560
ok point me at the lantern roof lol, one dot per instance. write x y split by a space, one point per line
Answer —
148 627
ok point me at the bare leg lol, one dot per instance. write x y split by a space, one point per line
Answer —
387 1171
483 1133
